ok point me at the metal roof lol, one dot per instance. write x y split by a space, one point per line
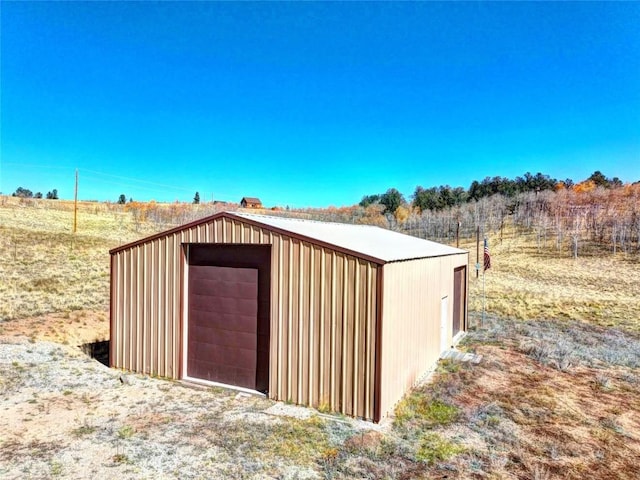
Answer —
367 240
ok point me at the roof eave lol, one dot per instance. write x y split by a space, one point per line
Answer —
308 239
165 233
253 222
409 259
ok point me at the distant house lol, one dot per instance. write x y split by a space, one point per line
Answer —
250 202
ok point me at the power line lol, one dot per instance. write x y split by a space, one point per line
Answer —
167 189
131 179
147 182
129 182
136 180
50 167
130 185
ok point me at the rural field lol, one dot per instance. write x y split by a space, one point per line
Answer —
556 394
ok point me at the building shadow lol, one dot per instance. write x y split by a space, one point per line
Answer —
97 350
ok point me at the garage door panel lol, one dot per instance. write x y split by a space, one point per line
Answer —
225 289
225 374
224 274
222 330
233 356
225 321
459 295
222 337
223 306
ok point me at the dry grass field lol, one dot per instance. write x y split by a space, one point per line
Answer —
556 395
525 282
45 268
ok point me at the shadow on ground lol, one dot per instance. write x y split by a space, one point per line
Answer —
97 350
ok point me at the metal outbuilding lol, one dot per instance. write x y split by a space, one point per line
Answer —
335 316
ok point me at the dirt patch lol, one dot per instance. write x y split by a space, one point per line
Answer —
66 415
68 328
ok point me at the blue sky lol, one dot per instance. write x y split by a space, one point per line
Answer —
313 104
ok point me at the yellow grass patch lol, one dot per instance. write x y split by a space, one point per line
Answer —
525 282
45 268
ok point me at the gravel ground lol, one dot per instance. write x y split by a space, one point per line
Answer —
64 415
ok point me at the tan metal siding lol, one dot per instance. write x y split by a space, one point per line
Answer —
323 314
412 295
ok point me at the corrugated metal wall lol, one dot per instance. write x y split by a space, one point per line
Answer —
412 295
323 314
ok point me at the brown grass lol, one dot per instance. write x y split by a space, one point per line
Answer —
45 268
526 282
537 417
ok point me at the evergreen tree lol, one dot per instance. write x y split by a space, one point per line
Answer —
23 193
391 200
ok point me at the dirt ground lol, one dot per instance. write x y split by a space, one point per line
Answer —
70 328
66 415
548 400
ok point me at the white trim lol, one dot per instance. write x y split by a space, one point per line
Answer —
185 316
209 383
459 336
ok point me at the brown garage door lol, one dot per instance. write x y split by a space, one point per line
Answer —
223 322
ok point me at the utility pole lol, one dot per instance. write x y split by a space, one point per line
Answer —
75 205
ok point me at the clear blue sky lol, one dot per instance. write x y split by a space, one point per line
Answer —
313 104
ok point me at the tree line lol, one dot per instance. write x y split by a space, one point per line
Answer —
445 196
26 193
579 221
22 192
592 216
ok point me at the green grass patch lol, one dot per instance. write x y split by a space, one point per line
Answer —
448 366
301 441
126 431
56 468
420 408
433 448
